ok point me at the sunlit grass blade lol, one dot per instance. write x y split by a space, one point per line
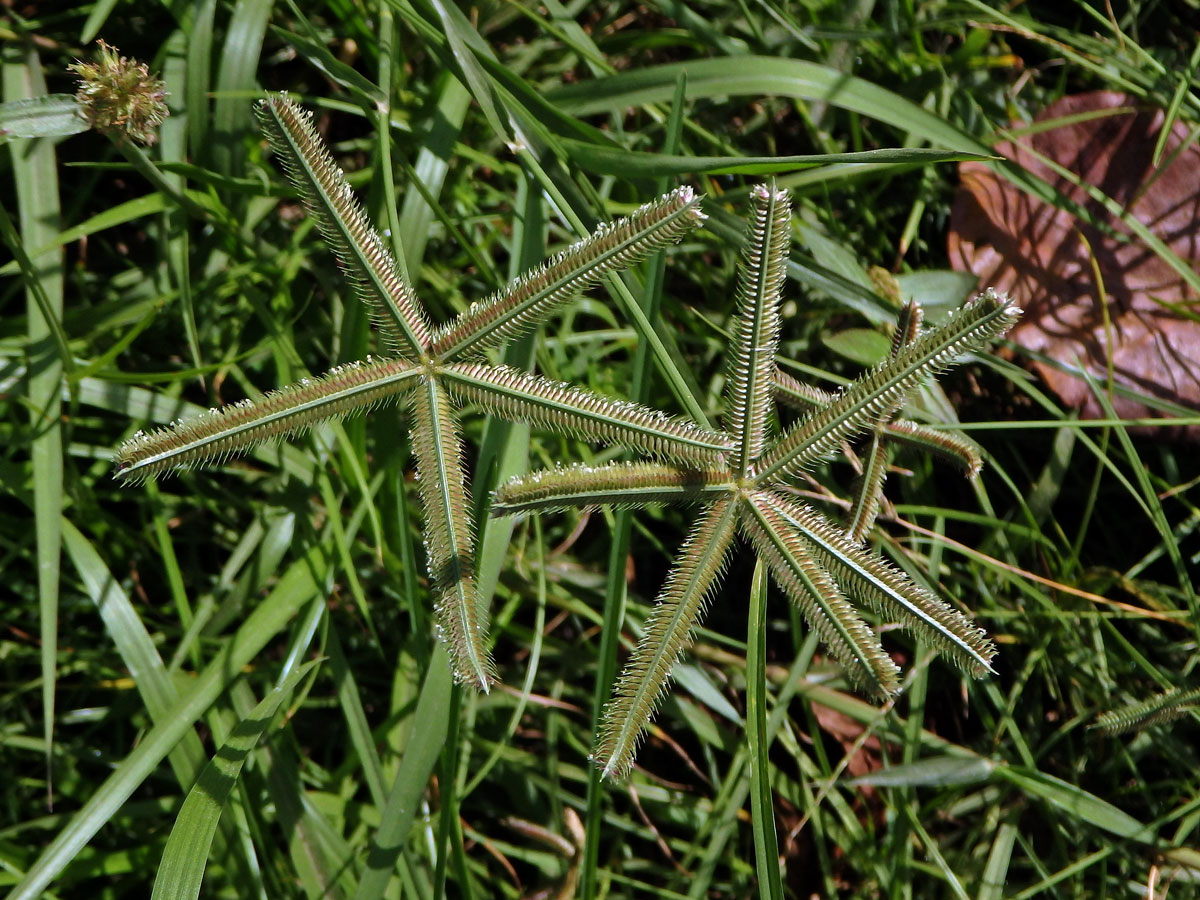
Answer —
364 257
863 401
566 409
449 539
865 577
35 172
762 805
295 588
759 286
621 485
806 583
184 857
667 631
532 296
211 438
1166 707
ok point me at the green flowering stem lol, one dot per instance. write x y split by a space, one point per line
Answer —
144 165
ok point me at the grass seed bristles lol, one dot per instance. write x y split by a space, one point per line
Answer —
950 445
220 433
816 594
532 296
449 538
1166 707
798 395
868 490
866 578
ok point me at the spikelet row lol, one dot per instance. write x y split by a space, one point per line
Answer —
566 409
751 388
794 567
860 404
361 252
867 578
798 395
448 535
868 490
668 631
955 447
619 485
531 297
1166 707
212 437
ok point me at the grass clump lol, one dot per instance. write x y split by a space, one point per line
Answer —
152 632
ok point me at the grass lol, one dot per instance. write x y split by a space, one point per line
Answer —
171 645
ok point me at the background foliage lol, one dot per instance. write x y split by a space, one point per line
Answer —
174 609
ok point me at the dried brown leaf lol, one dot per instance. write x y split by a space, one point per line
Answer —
1056 264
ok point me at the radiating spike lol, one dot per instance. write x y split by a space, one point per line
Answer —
796 570
619 485
1166 707
860 404
566 409
908 326
869 490
217 434
449 540
751 384
798 395
668 631
866 578
365 259
953 446
534 295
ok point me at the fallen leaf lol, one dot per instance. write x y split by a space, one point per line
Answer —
1057 264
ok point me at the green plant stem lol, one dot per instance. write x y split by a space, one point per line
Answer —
762 807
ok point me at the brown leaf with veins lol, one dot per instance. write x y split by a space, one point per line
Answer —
1048 258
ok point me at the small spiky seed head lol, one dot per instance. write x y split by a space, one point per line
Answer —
120 97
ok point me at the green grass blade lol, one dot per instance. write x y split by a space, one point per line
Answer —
1076 802
182 867
762 805
760 76
49 115
420 756
35 172
604 159
237 80
295 588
